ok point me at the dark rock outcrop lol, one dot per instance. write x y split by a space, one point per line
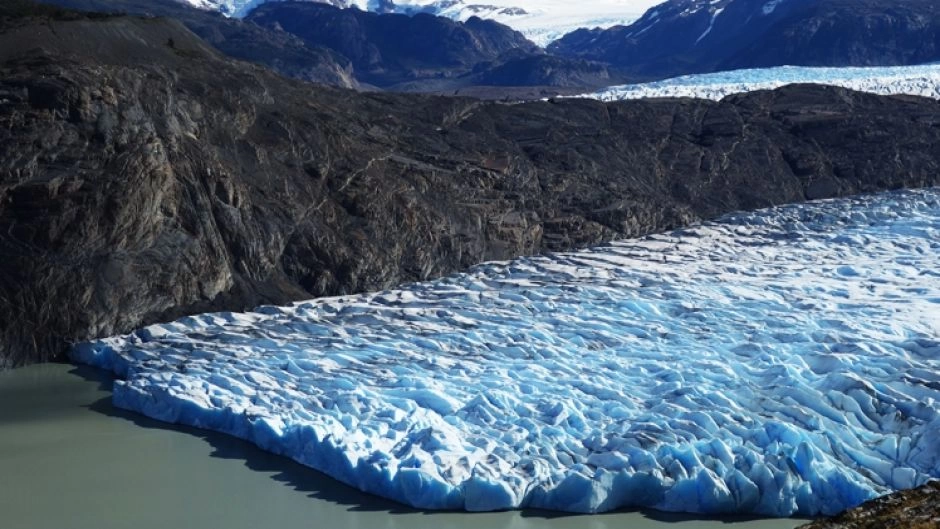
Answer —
547 70
144 176
693 36
909 509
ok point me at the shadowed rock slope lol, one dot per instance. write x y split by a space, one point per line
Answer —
391 49
278 50
144 176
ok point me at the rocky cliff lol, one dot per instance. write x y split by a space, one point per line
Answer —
144 176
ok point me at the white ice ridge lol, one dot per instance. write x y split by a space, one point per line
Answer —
923 80
780 362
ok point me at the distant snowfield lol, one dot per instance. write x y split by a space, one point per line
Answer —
778 362
921 80
541 21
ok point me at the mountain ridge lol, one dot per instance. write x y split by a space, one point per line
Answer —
280 51
388 49
682 37
541 20
358 49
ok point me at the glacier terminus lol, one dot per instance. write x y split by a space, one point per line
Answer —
780 362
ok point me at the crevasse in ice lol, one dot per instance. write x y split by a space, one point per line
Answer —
779 362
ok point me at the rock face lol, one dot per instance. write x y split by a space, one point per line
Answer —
144 176
694 36
910 509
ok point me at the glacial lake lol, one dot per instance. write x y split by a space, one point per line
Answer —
69 459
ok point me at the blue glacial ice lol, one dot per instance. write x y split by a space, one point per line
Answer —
921 80
780 362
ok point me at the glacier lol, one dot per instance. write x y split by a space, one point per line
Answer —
780 362
920 80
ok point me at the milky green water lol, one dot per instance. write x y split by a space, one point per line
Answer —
69 460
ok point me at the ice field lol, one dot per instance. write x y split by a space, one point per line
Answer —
779 362
923 80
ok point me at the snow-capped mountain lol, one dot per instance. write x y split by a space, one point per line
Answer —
909 80
542 21
387 50
679 31
696 36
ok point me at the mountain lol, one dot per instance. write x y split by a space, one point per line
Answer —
391 51
388 49
371 44
694 36
541 21
358 49
145 176
278 50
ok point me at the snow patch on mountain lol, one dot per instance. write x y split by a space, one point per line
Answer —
921 80
778 362
711 25
771 6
